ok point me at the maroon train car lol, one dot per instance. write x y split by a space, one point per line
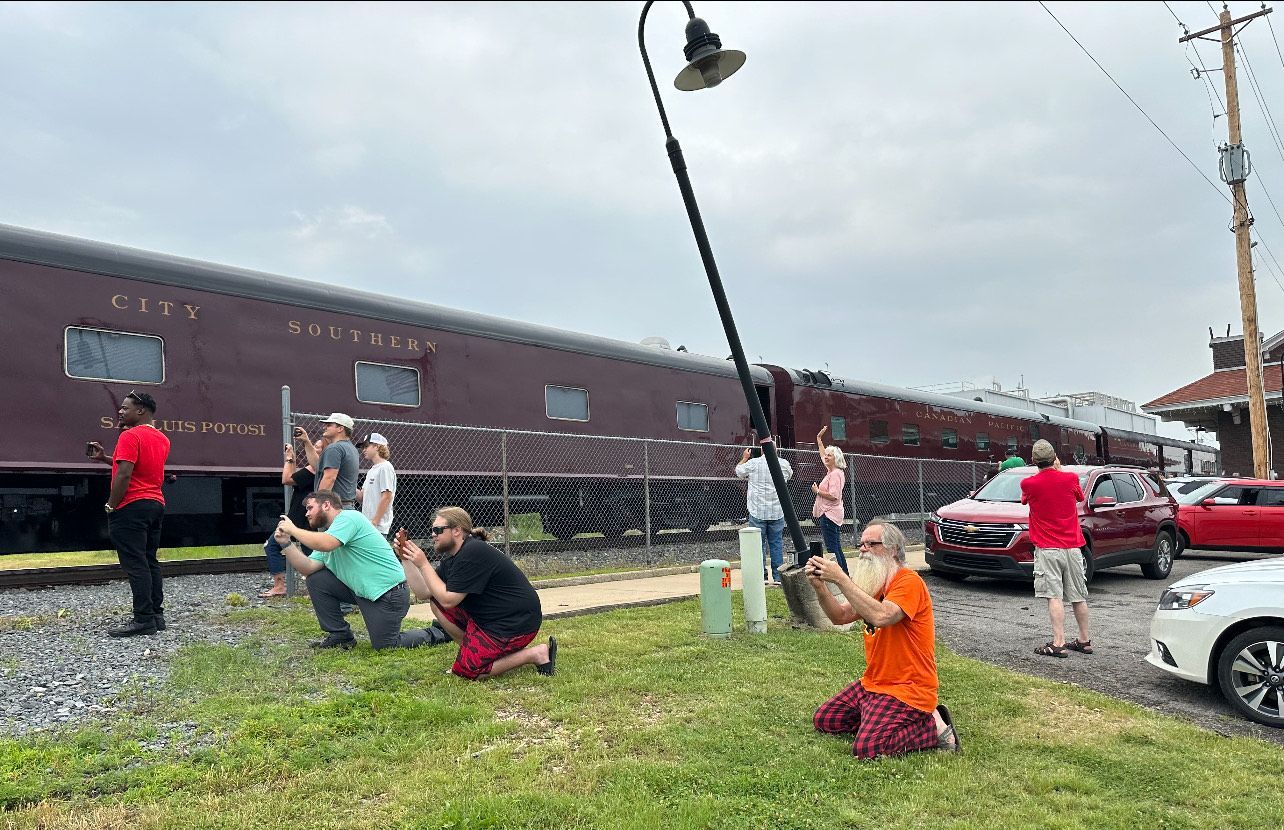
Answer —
86 322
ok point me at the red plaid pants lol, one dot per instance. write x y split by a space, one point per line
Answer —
478 651
883 725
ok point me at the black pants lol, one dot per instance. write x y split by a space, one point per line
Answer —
135 531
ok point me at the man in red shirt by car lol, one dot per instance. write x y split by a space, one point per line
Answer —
135 508
1054 498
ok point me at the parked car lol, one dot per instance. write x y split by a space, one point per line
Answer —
1185 484
1232 514
1127 518
1225 627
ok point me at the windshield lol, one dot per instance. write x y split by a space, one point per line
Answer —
1176 487
1198 494
1007 486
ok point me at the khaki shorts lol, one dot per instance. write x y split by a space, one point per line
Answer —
1058 574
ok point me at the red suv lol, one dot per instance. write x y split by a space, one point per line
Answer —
1128 518
1232 514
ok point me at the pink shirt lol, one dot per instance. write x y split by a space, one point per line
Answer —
832 484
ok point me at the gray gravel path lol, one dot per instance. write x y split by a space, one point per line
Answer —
1002 623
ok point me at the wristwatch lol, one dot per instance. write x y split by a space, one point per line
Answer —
108 508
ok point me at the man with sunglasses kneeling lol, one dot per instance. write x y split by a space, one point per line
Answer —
351 562
483 601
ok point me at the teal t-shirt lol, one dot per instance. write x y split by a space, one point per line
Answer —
1009 463
364 560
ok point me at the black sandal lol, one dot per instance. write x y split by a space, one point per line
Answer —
1081 646
549 668
943 742
1049 650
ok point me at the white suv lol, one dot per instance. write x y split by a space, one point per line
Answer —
1226 626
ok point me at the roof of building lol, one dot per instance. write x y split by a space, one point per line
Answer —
1224 386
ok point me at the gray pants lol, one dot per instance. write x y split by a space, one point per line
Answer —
383 616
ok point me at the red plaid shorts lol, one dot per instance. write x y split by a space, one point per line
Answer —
479 650
883 725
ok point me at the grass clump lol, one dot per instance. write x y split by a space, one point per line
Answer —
646 725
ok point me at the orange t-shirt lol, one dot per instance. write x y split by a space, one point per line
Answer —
900 660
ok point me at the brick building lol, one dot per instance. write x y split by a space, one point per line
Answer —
1219 402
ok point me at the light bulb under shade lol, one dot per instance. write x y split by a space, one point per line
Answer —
709 70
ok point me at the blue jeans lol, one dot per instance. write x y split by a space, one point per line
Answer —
275 559
833 536
773 542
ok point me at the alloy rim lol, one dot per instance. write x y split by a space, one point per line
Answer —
1258 677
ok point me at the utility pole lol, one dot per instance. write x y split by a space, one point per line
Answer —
1235 169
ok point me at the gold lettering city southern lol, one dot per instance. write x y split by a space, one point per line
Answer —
147 305
374 338
216 427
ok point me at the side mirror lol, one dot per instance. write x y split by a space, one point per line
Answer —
1208 502
1103 501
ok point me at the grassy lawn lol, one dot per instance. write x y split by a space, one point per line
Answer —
108 557
646 725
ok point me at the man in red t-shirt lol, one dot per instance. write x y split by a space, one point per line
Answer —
1054 496
893 708
135 508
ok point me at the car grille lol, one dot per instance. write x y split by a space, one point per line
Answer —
977 534
977 563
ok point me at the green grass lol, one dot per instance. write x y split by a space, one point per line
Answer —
108 557
647 725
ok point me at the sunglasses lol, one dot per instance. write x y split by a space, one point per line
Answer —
437 531
864 544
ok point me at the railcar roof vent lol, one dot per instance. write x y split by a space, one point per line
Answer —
658 342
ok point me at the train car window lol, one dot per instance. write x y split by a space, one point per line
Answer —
878 432
837 428
982 441
950 439
1034 432
909 435
693 417
100 354
1080 454
566 403
384 384
1012 444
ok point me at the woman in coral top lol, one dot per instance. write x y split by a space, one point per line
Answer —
828 509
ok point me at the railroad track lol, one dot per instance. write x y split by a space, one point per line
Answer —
97 574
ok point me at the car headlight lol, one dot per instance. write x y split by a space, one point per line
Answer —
934 517
1178 599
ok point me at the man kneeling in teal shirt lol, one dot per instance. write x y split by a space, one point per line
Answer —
351 562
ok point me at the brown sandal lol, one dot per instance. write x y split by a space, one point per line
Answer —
1049 650
1081 646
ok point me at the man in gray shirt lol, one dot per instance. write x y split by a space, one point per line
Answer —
337 466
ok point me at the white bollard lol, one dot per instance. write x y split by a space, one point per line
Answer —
751 570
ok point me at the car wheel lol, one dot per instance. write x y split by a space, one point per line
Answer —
1089 566
1183 542
1161 565
1250 671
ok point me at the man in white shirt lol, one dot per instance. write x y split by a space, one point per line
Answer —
765 512
380 487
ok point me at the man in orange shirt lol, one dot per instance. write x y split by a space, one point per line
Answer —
893 708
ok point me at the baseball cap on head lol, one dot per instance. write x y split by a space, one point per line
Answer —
375 438
340 419
1043 453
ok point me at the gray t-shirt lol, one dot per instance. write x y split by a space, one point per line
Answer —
341 455
380 478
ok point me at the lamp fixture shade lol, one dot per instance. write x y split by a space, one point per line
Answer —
708 64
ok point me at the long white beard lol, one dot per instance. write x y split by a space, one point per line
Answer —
871 573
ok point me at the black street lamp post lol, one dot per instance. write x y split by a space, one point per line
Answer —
709 65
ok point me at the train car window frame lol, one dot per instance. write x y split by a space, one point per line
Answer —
982 441
837 428
1035 432
949 438
1012 444
66 355
680 404
911 429
587 412
356 385
878 432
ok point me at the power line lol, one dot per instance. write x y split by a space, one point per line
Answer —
1271 128
1271 26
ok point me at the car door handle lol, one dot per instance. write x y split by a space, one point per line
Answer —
1250 512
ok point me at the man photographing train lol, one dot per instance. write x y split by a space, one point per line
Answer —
136 507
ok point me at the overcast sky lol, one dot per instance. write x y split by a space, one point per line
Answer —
912 194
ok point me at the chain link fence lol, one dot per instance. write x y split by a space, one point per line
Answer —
530 486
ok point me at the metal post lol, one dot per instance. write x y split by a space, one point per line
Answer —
646 494
973 490
287 437
508 519
922 505
851 488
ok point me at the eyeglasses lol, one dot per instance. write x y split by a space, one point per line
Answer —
865 544
436 530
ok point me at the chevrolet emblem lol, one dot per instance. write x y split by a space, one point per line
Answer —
970 528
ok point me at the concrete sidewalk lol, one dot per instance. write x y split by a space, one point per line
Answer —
588 595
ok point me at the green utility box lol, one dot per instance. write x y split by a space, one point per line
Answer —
715 597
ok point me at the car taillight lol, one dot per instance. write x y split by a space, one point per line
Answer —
1179 599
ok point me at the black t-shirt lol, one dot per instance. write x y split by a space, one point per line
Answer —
303 483
501 600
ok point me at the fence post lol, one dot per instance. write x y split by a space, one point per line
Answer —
851 488
287 438
503 471
973 477
922 504
646 494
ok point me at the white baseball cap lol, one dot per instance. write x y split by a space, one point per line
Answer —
375 438
340 419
